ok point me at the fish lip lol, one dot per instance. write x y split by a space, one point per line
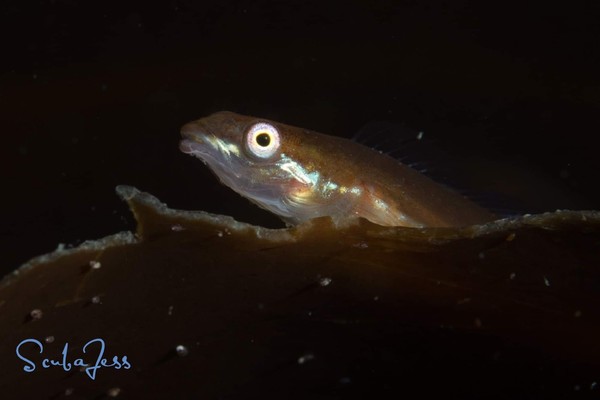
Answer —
187 146
192 141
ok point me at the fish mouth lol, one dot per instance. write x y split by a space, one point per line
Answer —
190 146
193 140
223 158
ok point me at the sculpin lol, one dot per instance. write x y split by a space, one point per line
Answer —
299 174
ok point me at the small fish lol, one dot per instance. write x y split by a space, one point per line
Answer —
298 174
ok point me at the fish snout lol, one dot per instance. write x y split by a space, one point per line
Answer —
191 131
192 138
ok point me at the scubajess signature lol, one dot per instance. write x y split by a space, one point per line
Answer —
91 361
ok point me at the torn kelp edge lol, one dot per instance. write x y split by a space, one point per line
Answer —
134 196
547 221
585 220
557 220
118 239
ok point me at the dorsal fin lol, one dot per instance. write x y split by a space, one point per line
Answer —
420 151
409 146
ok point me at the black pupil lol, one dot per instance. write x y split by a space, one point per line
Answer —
263 139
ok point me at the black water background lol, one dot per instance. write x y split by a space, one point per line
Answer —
92 95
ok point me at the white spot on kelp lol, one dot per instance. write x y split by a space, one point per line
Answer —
36 314
325 281
95 265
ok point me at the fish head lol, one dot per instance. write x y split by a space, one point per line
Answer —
267 162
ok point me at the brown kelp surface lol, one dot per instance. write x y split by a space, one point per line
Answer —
203 305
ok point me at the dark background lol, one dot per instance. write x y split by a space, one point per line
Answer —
92 94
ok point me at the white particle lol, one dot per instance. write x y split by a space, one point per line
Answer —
181 350
177 228
420 135
546 282
376 298
577 314
513 275
113 392
306 358
96 300
345 380
220 234
170 310
481 255
69 391
593 385
49 339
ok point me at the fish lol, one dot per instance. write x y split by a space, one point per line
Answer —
299 174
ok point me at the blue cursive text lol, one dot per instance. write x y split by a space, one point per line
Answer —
95 347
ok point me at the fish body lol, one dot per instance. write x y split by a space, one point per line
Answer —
299 174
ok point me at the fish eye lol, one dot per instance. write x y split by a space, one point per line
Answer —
262 140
